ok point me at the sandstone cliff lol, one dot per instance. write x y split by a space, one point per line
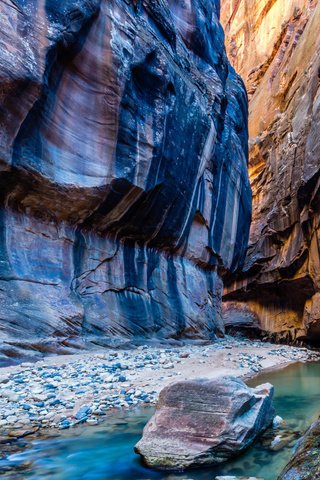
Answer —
275 45
123 170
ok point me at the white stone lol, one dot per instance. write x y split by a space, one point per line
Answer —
277 421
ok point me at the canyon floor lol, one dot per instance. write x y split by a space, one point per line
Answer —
61 392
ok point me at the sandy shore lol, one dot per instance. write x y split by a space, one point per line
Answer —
64 391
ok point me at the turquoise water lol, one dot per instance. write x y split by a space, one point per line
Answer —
105 452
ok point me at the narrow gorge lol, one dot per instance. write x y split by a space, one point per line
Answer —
275 47
159 239
124 188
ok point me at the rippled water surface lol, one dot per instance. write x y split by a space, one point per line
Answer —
106 452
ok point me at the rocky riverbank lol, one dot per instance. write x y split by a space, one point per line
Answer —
62 392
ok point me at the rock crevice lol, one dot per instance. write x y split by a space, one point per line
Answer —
275 47
123 172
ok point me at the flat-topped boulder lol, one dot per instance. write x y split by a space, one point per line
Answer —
204 422
305 463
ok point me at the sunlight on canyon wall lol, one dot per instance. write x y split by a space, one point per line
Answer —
275 46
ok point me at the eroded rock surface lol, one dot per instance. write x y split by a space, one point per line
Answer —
231 477
275 46
203 422
123 156
305 463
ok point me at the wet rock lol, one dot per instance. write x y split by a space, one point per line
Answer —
305 463
64 424
204 423
92 421
280 442
228 477
22 433
277 421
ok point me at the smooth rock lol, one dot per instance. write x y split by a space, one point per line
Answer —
204 422
280 442
277 421
83 412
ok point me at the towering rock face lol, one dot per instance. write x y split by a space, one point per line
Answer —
123 171
275 46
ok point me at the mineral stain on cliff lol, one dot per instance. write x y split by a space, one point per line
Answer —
275 47
123 172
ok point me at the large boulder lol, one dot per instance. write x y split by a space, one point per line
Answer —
124 191
203 422
305 463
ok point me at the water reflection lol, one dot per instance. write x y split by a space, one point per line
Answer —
106 452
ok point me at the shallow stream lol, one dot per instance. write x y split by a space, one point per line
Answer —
105 452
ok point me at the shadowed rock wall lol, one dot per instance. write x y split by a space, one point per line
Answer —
275 45
123 171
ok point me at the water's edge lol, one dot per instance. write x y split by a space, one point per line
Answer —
105 452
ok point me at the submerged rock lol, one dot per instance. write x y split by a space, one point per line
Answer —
204 422
282 441
305 463
278 421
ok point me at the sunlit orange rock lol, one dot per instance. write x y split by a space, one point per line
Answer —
275 46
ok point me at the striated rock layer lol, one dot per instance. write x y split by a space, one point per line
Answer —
123 171
204 422
275 46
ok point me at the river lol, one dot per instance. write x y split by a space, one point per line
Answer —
105 452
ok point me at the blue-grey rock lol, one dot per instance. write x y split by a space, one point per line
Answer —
124 192
64 424
278 422
82 412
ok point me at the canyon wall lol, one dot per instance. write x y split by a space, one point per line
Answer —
275 46
123 172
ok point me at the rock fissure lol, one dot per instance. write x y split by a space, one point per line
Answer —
283 249
109 151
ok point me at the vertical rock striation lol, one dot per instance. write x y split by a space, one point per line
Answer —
123 171
275 46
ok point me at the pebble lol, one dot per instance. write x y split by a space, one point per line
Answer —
277 421
276 441
237 478
85 389
83 412
280 442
